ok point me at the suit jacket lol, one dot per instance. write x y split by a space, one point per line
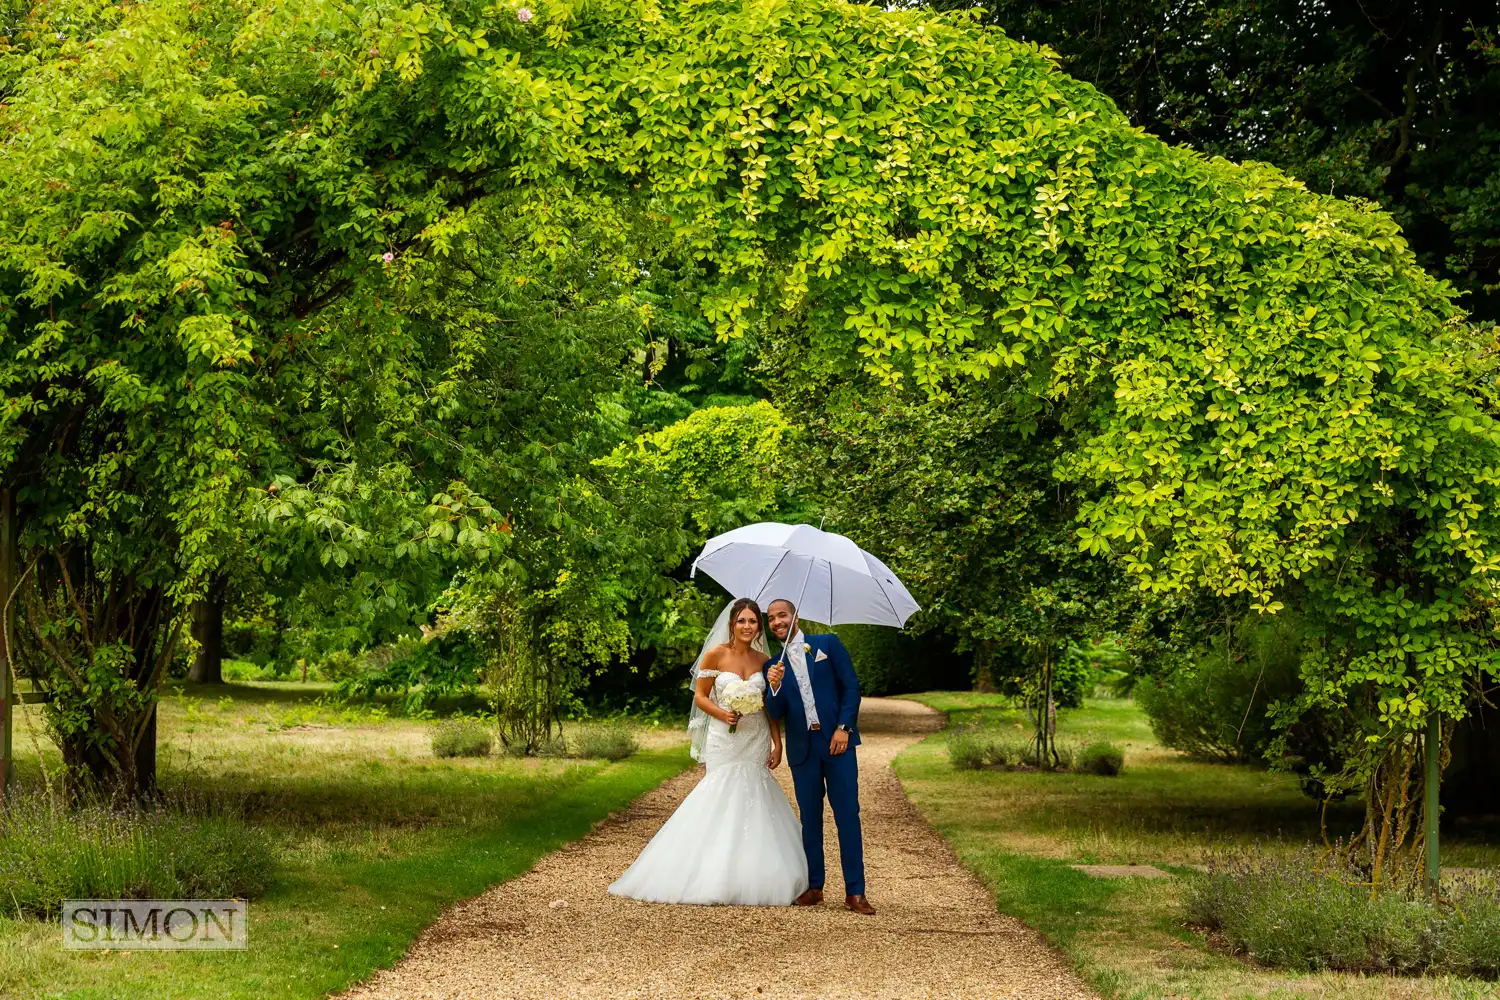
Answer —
835 693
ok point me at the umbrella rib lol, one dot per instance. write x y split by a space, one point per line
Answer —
832 613
760 594
900 622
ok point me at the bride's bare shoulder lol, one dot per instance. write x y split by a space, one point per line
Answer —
714 658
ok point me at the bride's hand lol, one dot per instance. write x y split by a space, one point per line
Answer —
732 718
773 759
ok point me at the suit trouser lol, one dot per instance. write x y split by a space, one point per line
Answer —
837 776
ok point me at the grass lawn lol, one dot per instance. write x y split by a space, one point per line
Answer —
374 836
1021 832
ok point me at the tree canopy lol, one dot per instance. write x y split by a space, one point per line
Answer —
1391 100
237 236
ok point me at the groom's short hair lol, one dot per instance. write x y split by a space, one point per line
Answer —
782 600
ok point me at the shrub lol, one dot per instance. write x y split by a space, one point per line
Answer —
1306 913
1064 758
1215 703
256 639
446 665
968 749
49 853
554 747
1017 673
602 741
239 670
462 738
1101 758
891 661
338 666
972 748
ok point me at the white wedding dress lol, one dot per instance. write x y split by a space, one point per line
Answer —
734 839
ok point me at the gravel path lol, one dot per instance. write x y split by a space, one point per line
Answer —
555 933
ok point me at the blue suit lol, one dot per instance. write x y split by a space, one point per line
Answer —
814 769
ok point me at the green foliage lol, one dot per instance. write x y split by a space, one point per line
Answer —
444 665
1013 672
1101 758
394 259
975 748
891 661
602 741
1218 703
462 738
1307 913
49 853
970 750
720 463
1391 101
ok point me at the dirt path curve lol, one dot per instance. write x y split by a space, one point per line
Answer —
555 933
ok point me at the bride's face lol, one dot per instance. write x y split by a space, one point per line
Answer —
746 625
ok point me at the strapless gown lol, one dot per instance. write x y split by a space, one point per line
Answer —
734 840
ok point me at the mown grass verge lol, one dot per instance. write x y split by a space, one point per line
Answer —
1021 832
374 836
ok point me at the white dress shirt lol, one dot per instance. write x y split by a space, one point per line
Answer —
796 658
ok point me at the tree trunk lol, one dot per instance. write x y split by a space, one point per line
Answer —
984 667
145 760
208 630
106 731
8 695
1046 717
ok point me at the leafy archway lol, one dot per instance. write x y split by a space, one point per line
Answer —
204 203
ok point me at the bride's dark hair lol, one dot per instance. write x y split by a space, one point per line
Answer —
741 605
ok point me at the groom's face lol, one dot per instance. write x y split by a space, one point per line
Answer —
779 617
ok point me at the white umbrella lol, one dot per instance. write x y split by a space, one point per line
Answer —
829 578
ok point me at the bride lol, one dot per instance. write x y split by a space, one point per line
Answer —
734 839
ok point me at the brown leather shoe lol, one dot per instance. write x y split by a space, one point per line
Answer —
859 904
811 897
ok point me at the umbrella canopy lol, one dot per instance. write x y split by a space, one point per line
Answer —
829 578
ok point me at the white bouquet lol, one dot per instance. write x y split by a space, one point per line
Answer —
743 697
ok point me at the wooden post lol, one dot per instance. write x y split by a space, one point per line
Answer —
1434 747
7 669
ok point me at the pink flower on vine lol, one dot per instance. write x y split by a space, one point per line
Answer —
387 256
523 15
374 51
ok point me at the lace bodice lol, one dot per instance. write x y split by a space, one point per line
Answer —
751 740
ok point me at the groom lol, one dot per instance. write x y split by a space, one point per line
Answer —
820 707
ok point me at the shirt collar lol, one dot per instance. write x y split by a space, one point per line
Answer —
798 638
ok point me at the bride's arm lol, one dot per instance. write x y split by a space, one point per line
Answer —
705 685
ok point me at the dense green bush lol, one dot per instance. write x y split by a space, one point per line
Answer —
419 671
890 661
1017 673
1215 703
1306 913
339 666
49 853
462 738
602 741
256 640
1101 758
